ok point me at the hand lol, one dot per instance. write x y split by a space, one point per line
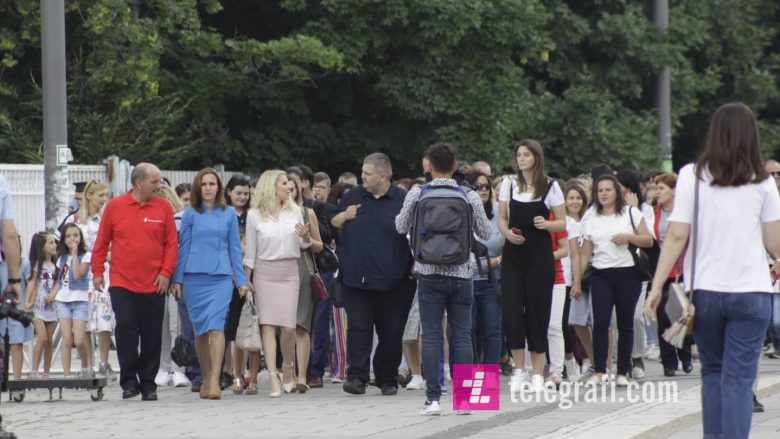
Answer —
351 212
651 304
49 298
162 283
632 200
776 269
576 290
243 290
621 238
14 290
495 262
28 306
302 230
99 282
514 238
176 290
540 222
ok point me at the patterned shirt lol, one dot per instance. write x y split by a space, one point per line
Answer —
404 220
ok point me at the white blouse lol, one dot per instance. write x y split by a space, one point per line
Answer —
270 239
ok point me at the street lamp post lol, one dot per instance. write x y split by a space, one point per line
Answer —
663 91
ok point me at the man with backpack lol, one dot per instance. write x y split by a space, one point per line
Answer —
442 218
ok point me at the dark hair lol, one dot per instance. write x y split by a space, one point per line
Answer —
348 175
238 180
651 174
630 179
472 178
733 152
574 185
294 170
337 191
442 157
539 180
405 182
307 175
196 196
62 248
37 255
619 201
181 188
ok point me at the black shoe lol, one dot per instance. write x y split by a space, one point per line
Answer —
225 380
687 366
131 393
757 406
389 390
196 385
149 396
669 372
354 386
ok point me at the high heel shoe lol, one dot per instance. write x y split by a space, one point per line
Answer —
275 385
288 387
301 388
238 386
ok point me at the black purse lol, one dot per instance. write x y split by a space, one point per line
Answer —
645 259
183 353
326 259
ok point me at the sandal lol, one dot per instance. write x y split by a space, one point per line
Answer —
238 386
251 389
301 388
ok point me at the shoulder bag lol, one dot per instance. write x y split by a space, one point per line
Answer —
248 333
645 259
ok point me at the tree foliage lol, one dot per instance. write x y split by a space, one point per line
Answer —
256 84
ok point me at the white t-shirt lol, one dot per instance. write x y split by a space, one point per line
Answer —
573 229
730 257
66 294
554 196
599 230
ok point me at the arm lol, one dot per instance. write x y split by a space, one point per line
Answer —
642 238
339 220
559 224
771 237
482 227
32 290
100 250
563 249
251 243
576 267
234 248
314 226
185 242
11 248
171 244
674 243
403 221
80 269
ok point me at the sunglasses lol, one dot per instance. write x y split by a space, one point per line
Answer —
482 187
775 174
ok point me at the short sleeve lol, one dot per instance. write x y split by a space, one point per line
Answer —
637 216
504 194
573 228
62 261
554 196
87 257
586 227
770 210
684 196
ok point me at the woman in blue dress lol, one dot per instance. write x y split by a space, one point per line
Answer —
210 261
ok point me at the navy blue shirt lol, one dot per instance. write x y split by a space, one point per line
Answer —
372 254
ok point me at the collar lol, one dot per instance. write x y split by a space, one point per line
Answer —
443 182
129 200
390 194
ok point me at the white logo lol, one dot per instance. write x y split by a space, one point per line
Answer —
152 220
476 389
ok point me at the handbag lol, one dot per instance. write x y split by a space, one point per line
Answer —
248 333
645 259
318 290
183 353
679 304
326 260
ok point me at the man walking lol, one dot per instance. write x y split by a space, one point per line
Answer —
141 232
442 218
375 274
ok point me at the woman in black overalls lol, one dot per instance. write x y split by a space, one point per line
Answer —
528 270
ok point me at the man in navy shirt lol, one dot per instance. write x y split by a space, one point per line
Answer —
375 274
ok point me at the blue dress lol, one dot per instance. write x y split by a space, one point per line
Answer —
210 261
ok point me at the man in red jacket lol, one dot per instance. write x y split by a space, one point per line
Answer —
140 230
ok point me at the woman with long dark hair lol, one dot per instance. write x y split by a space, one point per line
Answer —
731 284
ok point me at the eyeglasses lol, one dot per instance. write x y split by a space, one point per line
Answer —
775 173
481 187
321 187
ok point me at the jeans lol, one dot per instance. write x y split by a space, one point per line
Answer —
320 329
774 327
486 323
729 331
437 293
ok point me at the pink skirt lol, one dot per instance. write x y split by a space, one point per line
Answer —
276 291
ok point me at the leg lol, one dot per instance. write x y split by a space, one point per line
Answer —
80 341
48 348
360 332
391 310
513 317
238 361
432 303
188 332
216 340
204 358
628 291
413 354
668 352
602 299
302 351
151 308
321 332
104 343
555 336
709 332
66 331
17 359
287 343
568 346
127 338
41 338
640 342
165 341
459 307
268 334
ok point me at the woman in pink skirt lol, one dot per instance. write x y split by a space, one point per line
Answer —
275 235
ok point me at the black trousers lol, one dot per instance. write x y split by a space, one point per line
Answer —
527 299
385 311
138 316
670 354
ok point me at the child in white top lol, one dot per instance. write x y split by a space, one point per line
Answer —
41 289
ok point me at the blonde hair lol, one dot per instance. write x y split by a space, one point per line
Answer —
170 195
264 196
86 210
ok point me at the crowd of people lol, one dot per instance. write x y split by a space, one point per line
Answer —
548 289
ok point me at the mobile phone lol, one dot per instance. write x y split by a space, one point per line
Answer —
517 231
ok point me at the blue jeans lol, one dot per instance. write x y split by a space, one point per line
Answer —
774 327
187 330
486 323
729 331
436 294
321 331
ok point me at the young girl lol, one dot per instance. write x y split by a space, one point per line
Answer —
41 290
73 297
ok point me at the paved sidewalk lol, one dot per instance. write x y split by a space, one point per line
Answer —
330 413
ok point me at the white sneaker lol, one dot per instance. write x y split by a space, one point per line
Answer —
417 383
621 381
462 412
336 380
572 370
597 380
537 383
519 378
179 380
637 373
586 366
431 408
163 378
653 353
553 381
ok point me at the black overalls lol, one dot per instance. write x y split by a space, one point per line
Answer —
527 276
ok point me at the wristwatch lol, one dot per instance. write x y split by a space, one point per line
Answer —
14 281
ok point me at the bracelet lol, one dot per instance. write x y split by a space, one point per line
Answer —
14 281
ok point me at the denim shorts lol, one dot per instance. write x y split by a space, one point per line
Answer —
77 310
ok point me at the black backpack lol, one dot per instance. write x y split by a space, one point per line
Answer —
442 229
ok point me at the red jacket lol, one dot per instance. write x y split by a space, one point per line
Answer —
143 242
